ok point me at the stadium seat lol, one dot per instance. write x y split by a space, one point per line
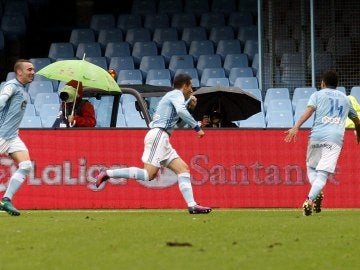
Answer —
48 121
238 19
88 49
228 47
151 62
132 76
279 105
197 7
211 73
38 77
183 20
30 110
247 83
355 92
180 61
212 19
121 63
61 50
302 93
110 35
158 77
120 120
170 7
81 35
137 34
40 63
100 61
256 92
217 82
247 32
237 72
143 7
301 105
164 34
218 33
13 26
143 48
190 34
251 48
254 121
208 61
135 120
103 114
36 87
49 109
279 119
116 49
201 47
276 93
192 72
173 48
45 98
102 21
341 89
235 60
128 21
31 122
156 20
152 104
127 98
223 6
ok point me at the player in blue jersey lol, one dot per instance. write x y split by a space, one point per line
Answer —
331 108
158 150
12 107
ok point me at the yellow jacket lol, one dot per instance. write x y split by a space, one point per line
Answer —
356 105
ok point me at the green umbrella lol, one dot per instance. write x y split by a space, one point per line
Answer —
81 70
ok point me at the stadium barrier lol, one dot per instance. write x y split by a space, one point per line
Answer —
230 169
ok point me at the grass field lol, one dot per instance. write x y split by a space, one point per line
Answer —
173 239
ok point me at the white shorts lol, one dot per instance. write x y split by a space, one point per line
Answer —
322 156
12 145
157 148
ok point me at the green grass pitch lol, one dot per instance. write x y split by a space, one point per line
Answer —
173 239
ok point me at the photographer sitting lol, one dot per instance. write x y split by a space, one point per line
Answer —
216 120
80 114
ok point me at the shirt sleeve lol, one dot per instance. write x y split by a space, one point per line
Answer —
179 103
5 94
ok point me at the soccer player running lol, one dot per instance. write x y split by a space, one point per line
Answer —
331 108
13 102
158 150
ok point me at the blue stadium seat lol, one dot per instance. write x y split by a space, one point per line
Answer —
116 49
128 21
61 50
300 107
152 104
173 48
200 47
276 93
120 120
183 20
36 87
279 119
355 92
151 62
251 48
228 47
31 122
30 110
10 75
237 72
170 7
247 83
208 61
190 34
238 19
164 34
110 35
100 61
40 63
88 49
121 63
217 82
223 6
212 19
132 76
158 77
254 121
127 98
235 60
81 35
211 73
38 77
218 33
247 32
196 7
256 92
143 48
102 21
302 93
49 109
156 20
137 34
45 98
103 114
192 72
279 105
48 121
341 89
180 61
143 7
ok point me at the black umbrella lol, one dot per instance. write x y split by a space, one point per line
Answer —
233 103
